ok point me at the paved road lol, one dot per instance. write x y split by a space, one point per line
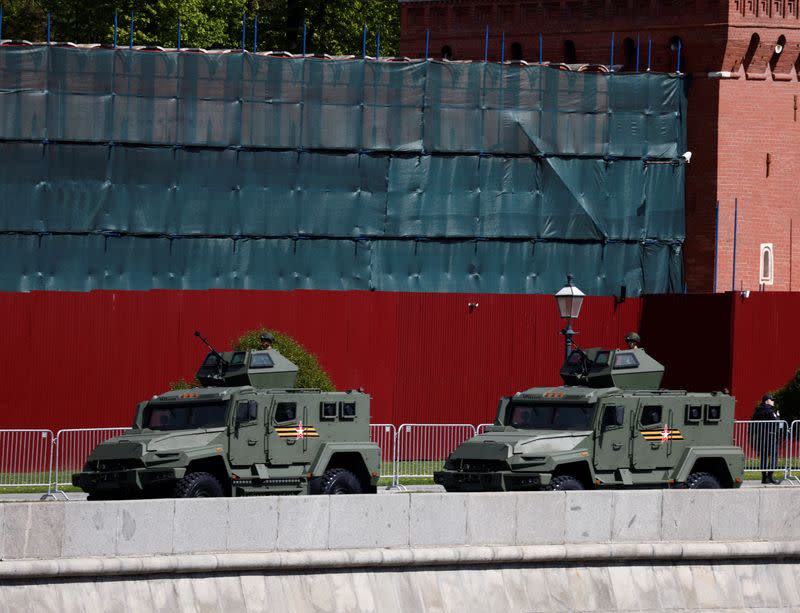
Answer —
78 496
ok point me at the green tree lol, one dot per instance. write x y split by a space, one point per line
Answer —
310 373
336 26
787 399
333 27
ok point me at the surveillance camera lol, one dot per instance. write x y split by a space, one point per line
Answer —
687 156
746 293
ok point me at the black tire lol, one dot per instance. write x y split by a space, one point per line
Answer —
339 481
702 481
199 485
565 482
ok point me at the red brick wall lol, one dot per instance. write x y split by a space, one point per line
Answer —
461 25
757 118
732 124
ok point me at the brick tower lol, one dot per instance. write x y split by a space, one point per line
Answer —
742 58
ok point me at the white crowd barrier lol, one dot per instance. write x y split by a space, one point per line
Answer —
37 458
793 452
766 445
26 458
423 448
385 436
71 447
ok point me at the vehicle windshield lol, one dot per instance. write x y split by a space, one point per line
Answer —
550 416
186 415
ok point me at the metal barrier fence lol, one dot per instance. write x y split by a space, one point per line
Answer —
423 448
793 452
71 447
37 458
26 458
766 445
385 435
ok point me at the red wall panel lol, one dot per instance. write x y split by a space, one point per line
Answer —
767 345
85 359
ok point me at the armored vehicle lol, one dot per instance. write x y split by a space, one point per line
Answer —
245 432
609 425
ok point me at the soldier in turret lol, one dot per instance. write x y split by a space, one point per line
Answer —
266 338
634 340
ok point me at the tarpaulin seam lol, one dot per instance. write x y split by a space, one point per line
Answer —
674 161
363 238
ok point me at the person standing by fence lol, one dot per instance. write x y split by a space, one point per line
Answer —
764 437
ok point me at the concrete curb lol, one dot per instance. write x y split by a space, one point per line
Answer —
417 557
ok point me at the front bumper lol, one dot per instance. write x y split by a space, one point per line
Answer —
497 481
126 482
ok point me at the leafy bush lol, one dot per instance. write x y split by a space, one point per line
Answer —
787 398
310 373
184 384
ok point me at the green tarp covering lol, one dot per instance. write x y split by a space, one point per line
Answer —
132 169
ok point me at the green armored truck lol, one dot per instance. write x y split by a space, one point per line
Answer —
608 426
245 432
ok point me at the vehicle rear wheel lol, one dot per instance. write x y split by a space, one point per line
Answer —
565 482
339 481
199 485
702 481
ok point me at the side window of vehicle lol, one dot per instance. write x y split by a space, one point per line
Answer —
694 413
246 410
613 416
347 410
651 415
713 413
286 411
327 410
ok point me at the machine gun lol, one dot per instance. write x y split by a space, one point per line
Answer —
578 364
222 363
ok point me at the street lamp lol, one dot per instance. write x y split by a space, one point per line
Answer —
569 299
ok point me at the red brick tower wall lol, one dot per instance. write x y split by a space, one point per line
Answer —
759 144
742 104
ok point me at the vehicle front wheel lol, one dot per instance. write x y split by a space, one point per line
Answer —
338 481
702 481
565 482
199 485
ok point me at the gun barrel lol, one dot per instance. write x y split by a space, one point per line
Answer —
207 344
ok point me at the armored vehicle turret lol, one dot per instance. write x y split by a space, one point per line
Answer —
265 368
247 431
609 425
620 368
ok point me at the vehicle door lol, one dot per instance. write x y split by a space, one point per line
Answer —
246 442
612 436
657 441
293 437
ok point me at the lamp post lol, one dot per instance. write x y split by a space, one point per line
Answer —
569 299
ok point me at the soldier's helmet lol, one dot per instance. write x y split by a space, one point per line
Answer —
267 337
632 337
